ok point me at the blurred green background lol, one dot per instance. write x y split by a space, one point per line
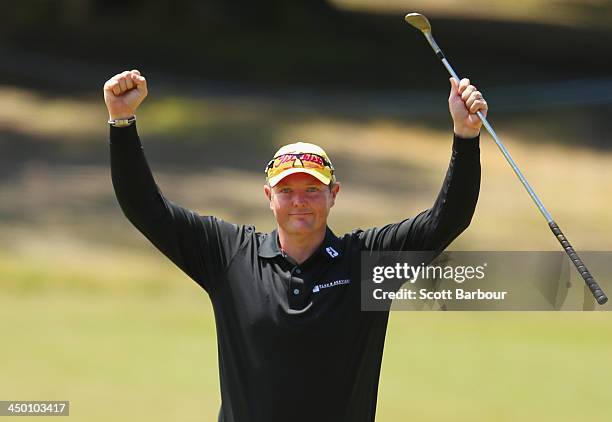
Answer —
91 313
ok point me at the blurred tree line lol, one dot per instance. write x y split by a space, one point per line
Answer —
303 42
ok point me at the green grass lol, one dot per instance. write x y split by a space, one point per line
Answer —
497 366
141 346
133 357
114 358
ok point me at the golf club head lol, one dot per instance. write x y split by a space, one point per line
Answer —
419 21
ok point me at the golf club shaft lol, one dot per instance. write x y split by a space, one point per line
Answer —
597 292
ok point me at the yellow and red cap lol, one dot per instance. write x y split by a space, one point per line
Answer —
300 157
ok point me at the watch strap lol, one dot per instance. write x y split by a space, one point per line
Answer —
122 122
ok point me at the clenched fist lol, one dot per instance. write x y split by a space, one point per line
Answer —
464 101
123 93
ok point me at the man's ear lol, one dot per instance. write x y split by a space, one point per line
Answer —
268 193
334 191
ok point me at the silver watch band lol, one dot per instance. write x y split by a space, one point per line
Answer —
122 122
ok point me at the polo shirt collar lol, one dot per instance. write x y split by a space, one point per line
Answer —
269 247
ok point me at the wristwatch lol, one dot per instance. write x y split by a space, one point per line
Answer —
122 122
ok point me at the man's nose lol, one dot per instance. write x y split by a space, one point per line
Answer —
298 199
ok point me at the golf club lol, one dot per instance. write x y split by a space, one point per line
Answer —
421 23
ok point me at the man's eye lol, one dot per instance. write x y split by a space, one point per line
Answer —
312 189
285 190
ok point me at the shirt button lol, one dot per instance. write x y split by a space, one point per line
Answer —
298 271
296 291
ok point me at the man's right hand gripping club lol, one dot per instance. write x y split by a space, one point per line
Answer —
123 93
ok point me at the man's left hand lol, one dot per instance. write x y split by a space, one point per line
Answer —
463 102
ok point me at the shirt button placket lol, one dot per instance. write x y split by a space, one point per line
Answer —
296 282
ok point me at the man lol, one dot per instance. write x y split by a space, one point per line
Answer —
293 343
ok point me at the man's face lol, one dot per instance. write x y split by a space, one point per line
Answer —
301 203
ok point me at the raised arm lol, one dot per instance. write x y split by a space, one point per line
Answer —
200 246
434 229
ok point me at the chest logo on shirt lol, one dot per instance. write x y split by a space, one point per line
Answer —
320 287
331 252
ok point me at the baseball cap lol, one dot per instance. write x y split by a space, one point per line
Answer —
300 157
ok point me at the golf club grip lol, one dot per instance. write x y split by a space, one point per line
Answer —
599 295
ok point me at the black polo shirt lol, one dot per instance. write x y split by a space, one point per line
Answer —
293 342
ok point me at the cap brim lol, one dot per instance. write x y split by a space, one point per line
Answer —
273 181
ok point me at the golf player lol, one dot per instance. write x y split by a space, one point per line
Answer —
293 343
